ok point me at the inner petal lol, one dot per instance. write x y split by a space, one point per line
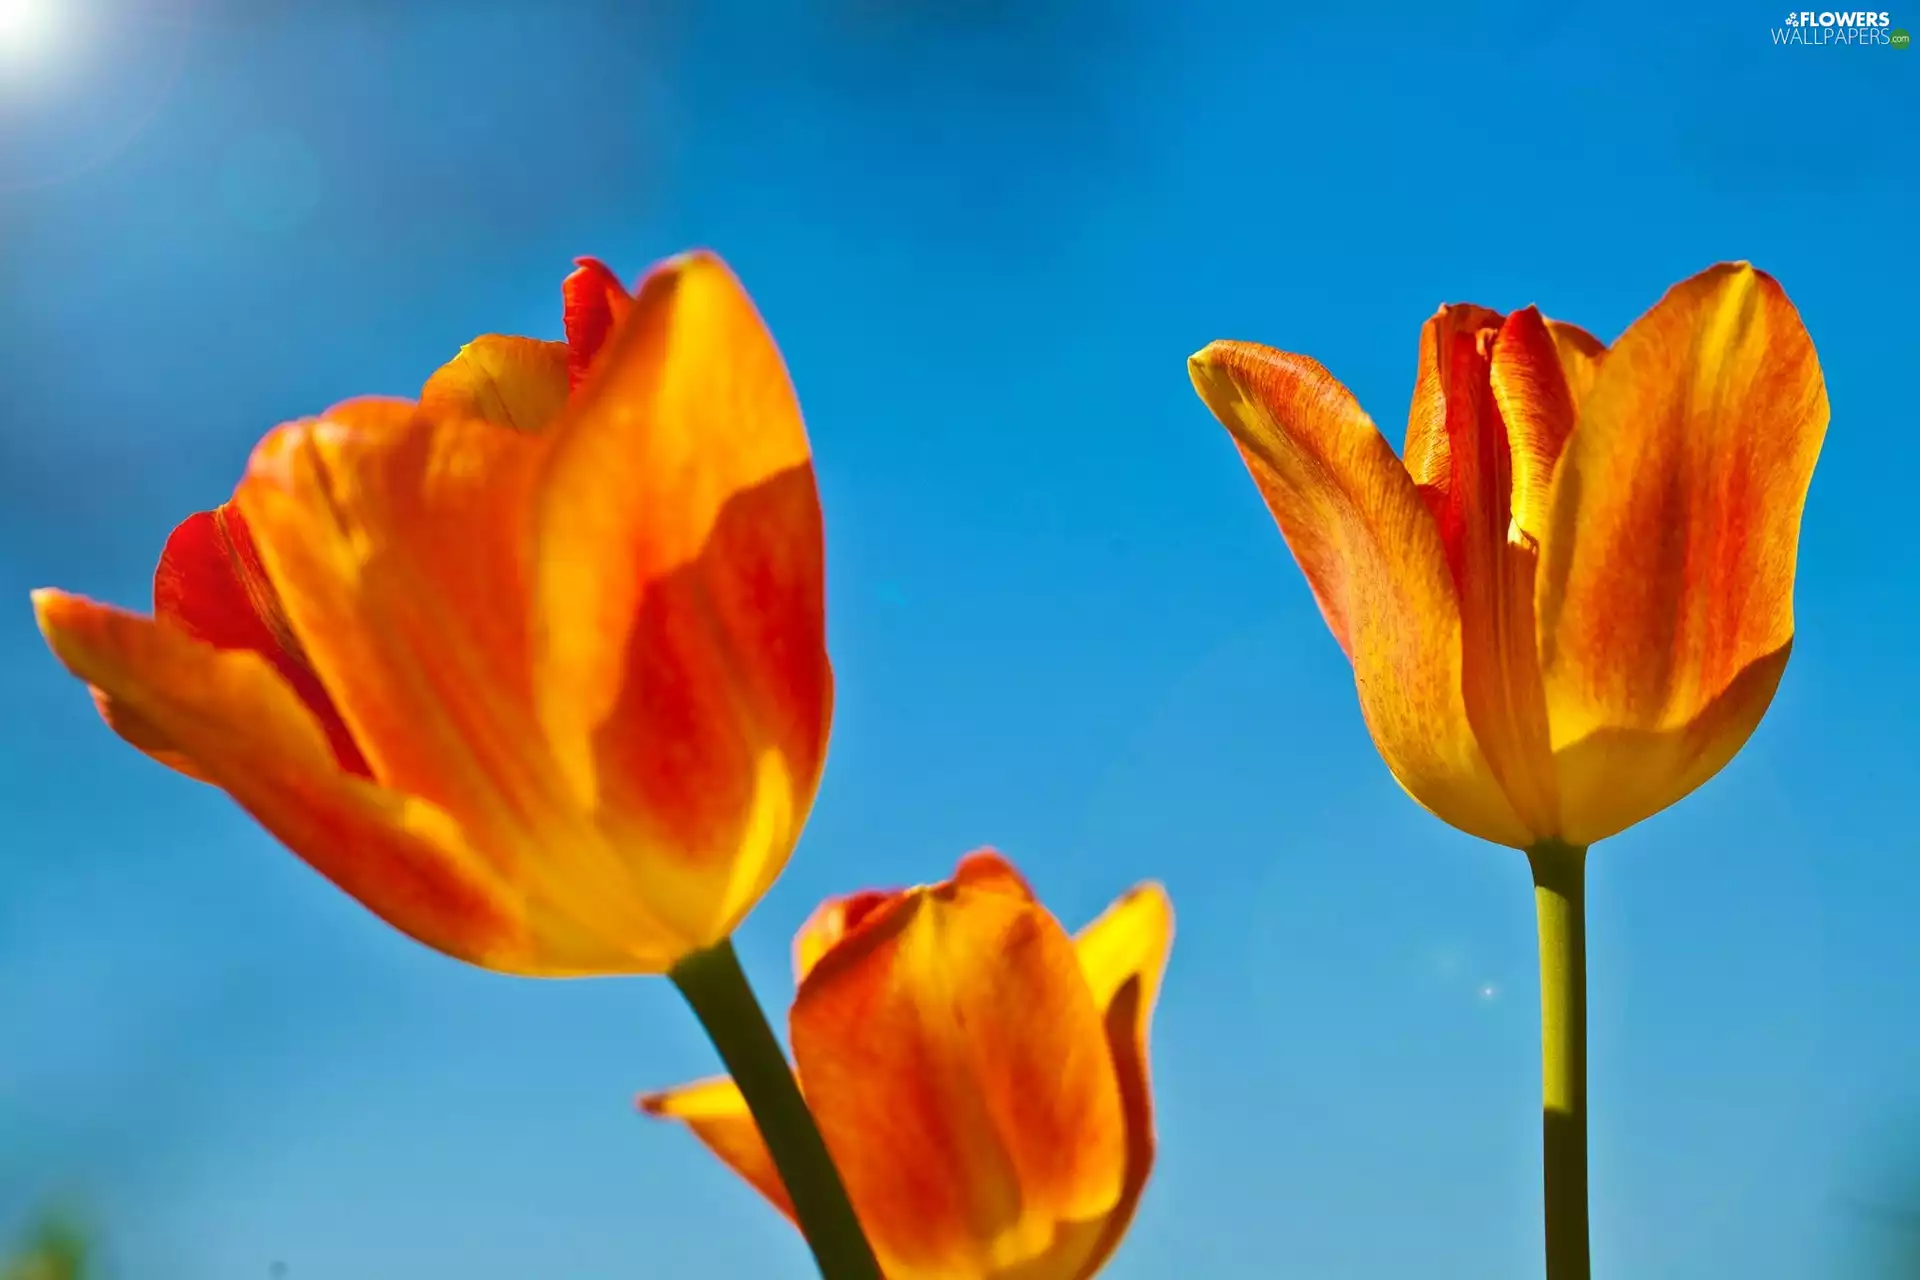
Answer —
1493 573
834 921
1427 447
210 583
519 383
1537 406
594 302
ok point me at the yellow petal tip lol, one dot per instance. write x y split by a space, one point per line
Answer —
1207 356
1204 367
1736 267
688 260
716 1096
52 607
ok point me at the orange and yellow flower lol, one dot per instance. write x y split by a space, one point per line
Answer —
979 1077
1572 601
533 667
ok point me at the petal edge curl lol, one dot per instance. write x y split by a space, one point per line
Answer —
1124 954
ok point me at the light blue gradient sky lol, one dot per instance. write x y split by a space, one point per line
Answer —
986 235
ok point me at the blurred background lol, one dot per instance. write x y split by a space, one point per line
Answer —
987 234
54 1249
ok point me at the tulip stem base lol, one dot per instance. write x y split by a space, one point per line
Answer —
717 989
1560 900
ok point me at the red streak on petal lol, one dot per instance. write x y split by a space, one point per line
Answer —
594 303
210 583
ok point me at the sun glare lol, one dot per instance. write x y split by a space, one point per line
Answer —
28 29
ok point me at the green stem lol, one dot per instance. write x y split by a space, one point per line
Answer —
716 987
1560 900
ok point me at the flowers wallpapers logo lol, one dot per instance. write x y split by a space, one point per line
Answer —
1855 28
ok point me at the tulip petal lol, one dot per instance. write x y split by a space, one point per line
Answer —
958 1066
210 583
831 923
1372 554
511 382
1666 574
594 303
398 542
717 1114
1123 955
1616 776
1426 451
137 731
1128 946
835 919
1492 574
681 667
1580 355
392 536
988 870
1537 409
246 731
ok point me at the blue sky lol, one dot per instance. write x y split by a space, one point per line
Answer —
986 235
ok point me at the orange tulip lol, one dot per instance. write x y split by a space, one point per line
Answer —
979 1077
1572 602
533 667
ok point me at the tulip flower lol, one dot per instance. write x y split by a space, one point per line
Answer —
1570 602
533 667
980 1077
